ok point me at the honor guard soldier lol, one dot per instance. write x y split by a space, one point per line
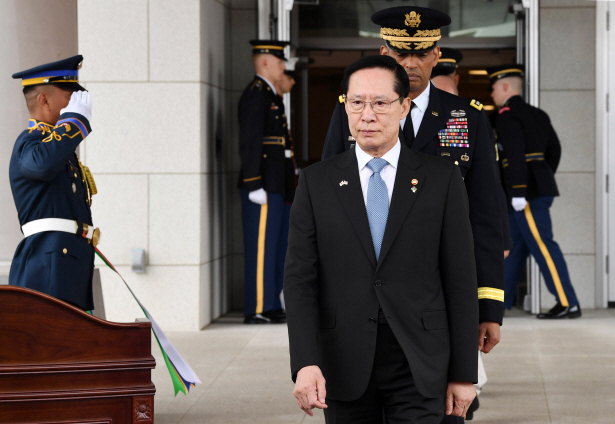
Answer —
52 189
531 152
450 128
444 75
265 185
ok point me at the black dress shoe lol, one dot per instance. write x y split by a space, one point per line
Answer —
277 316
473 407
256 319
559 312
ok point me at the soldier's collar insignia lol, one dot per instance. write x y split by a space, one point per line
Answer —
34 125
413 19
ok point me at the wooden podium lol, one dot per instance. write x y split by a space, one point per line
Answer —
59 364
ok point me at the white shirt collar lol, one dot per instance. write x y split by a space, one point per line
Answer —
269 83
392 156
422 100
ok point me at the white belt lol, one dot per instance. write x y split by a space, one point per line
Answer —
56 224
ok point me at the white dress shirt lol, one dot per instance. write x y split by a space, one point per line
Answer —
268 83
388 172
418 111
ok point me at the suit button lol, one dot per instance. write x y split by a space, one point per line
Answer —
265 156
378 283
65 251
373 320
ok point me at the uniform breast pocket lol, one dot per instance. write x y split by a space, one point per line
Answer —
460 156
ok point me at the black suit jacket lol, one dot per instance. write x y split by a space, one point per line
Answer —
478 167
531 150
424 280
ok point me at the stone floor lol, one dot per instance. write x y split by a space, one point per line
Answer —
542 372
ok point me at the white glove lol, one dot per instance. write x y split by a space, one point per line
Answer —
258 196
80 103
519 203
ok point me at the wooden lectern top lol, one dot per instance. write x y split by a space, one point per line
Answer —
59 363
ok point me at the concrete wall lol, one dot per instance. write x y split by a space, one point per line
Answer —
162 153
25 42
567 94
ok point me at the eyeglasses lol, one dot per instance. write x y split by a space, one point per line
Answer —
378 106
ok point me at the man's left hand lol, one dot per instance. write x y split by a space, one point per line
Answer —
459 396
488 336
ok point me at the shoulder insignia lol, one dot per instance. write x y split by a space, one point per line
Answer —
503 109
257 84
341 99
476 104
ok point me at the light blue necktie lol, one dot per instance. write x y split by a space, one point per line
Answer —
377 203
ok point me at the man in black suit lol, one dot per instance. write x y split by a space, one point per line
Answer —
380 278
451 128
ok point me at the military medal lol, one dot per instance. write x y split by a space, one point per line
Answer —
414 183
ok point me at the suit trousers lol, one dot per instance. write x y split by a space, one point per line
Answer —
391 387
532 232
265 235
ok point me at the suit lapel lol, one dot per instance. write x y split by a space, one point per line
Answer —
408 169
351 197
433 121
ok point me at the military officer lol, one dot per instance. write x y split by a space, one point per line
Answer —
264 184
531 153
51 188
451 128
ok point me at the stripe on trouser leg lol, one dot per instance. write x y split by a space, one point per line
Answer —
545 252
260 260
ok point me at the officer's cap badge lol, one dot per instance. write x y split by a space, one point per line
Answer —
413 19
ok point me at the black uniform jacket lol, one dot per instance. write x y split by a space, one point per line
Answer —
530 148
263 139
48 182
424 280
477 165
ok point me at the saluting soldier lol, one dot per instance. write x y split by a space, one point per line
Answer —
51 188
451 128
266 187
531 153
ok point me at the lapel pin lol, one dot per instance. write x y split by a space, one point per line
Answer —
343 182
465 158
414 189
434 113
415 181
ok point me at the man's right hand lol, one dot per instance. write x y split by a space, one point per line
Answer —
81 103
258 196
310 389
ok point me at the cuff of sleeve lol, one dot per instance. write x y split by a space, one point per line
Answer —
79 120
252 184
490 310
518 190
